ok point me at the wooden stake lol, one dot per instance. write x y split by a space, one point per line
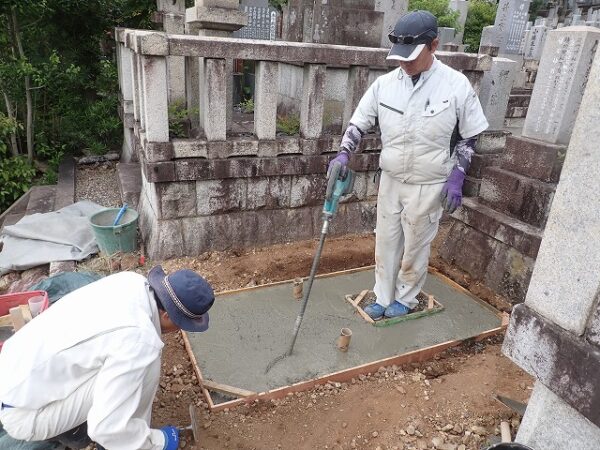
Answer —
225 389
26 313
505 432
18 320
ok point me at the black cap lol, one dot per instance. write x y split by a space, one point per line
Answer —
411 33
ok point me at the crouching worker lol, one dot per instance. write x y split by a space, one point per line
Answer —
87 369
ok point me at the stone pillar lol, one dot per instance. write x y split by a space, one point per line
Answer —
313 97
462 6
265 99
392 11
561 78
446 35
555 335
495 91
219 18
511 19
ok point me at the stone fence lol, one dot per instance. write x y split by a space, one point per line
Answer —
222 188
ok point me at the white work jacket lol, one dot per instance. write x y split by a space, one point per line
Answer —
417 122
108 330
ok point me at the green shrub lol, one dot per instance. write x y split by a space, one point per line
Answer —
481 14
247 106
16 176
288 124
440 9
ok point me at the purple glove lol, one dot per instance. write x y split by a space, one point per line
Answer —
452 190
343 158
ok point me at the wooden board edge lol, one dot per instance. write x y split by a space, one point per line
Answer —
188 349
415 356
226 389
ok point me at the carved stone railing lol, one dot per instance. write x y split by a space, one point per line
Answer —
192 192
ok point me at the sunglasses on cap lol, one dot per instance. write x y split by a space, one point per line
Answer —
409 39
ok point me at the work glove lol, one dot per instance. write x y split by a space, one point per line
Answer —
171 437
452 190
343 157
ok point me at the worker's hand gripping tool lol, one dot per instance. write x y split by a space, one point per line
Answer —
340 181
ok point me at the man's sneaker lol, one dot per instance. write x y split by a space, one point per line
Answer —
396 309
375 311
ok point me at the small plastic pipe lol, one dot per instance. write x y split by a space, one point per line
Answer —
297 288
343 341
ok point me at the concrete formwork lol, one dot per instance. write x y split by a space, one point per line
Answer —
251 327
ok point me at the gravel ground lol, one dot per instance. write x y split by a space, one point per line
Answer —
98 183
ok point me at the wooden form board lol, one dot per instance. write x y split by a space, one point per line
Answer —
345 375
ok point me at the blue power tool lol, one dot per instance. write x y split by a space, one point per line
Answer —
339 183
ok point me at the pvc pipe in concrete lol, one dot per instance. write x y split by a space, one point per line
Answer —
297 288
343 341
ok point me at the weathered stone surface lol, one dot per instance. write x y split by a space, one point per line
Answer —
265 99
177 199
549 423
486 259
560 83
392 9
358 79
154 99
491 141
130 182
593 329
481 161
158 151
519 196
151 43
509 26
213 114
171 6
200 169
65 188
216 18
571 234
308 53
495 91
162 238
41 199
534 158
311 107
562 361
221 196
307 190
514 233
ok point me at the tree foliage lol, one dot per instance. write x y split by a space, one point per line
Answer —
481 14
58 76
440 9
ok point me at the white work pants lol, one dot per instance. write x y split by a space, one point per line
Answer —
61 416
408 216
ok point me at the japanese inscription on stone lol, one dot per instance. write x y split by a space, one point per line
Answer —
262 23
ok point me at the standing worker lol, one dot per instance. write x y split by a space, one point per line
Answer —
87 369
429 117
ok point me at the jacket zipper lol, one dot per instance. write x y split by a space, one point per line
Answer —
390 108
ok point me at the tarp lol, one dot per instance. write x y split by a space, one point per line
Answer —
63 235
59 285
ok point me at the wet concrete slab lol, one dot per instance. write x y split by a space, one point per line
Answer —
250 328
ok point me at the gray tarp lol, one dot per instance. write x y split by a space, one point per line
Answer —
63 235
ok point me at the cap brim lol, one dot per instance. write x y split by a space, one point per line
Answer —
155 278
405 52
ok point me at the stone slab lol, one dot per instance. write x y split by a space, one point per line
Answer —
560 83
509 25
41 199
534 158
562 361
516 195
549 423
500 267
495 91
254 326
214 18
490 142
571 234
130 182
65 188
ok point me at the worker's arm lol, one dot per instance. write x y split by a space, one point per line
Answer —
123 394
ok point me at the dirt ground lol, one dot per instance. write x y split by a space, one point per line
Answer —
445 402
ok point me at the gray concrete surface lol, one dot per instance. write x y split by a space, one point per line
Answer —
250 328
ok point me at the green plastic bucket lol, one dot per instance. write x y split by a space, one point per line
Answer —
120 238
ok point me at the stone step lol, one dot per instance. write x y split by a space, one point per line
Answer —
130 182
11 219
521 236
518 196
533 158
519 100
41 199
65 188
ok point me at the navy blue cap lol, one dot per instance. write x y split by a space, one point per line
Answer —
412 32
185 295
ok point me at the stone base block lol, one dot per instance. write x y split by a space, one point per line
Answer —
194 235
216 18
533 158
519 100
549 423
567 364
493 248
492 141
516 112
130 182
480 161
471 186
516 195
